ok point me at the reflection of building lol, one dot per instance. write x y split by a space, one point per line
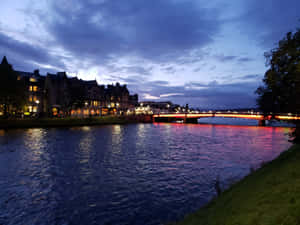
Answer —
58 95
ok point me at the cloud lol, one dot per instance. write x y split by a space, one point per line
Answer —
245 59
25 55
161 30
140 70
269 20
154 45
252 76
214 95
232 58
147 96
170 95
225 58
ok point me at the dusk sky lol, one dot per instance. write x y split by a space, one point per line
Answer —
209 54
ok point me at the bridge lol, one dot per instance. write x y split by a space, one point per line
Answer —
193 117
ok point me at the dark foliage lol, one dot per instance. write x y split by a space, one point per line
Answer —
281 90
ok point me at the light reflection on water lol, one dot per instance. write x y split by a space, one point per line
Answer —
124 174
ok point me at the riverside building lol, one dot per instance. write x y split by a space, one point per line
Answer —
57 95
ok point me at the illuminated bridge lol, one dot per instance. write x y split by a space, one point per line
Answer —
193 117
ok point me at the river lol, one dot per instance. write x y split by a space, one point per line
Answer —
125 174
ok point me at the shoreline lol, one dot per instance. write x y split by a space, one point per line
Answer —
270 195
70 122
16 123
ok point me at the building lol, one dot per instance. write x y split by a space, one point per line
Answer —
150 107
60 96
34 94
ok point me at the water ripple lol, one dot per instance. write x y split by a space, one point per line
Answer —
131 174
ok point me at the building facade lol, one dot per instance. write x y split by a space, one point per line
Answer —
57 95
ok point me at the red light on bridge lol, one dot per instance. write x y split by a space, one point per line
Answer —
288 117
226 115
255 117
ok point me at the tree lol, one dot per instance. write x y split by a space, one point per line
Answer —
281 90
12 89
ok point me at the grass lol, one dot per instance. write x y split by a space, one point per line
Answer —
67 122
268 196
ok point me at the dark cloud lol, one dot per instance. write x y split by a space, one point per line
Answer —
269 20
225 58
213 95
232 58
252 76
155 30
245 59
141 70
24 55
169 69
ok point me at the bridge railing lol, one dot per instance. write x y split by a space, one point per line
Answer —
234 114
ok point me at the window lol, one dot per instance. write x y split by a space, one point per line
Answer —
95 103
33 98
30 108
33 88
32 79
54 111
34 109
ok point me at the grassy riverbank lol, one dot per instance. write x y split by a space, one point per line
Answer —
269 196
68 122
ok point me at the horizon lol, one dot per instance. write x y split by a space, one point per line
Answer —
209 55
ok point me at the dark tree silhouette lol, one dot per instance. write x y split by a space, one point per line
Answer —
12 89
281 90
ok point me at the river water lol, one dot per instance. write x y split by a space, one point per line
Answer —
125 174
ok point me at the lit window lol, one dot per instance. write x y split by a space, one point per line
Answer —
30 108
30 88
54 111
30 98
34 108
34 98
35 88
32 79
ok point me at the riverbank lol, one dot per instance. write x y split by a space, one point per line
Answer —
69 122
268 196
